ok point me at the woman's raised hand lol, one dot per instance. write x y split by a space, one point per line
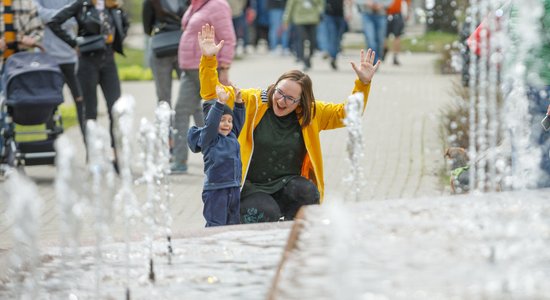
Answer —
207 42
366 69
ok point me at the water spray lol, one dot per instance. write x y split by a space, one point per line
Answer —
355 149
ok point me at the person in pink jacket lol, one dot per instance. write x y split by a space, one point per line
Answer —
200 12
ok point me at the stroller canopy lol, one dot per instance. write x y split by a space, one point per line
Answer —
32 78
33 87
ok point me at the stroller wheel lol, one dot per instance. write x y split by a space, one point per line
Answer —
9 154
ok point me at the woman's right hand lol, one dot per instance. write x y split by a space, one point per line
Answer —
206 41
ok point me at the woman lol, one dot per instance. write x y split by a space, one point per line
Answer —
163 16
280 145
64 55
200 12
95 66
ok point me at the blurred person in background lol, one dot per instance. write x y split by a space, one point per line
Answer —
396 27
96 65
238 15
374 23
335 26
278 36
63 54
163 16
217 13
304 15
261 22
20 28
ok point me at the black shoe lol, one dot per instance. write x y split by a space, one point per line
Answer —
307 65
333 64
396 61
384 52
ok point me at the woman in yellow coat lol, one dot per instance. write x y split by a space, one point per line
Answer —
280 146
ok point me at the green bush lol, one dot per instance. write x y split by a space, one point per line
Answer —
434 41
134 73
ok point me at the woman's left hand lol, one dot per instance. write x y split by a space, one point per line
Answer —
366 69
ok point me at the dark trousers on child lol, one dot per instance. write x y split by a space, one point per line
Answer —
221 207
261 207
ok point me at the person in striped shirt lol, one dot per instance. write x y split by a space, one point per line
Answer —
20 27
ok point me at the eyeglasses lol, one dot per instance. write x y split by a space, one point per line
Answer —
286 97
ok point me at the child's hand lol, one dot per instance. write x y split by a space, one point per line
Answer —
206 41
222 94
238 95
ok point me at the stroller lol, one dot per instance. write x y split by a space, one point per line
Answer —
32 90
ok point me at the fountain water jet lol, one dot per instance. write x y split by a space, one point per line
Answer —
71 208
23 211
102 175
123 114
355 146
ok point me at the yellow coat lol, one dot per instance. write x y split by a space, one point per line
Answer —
328 116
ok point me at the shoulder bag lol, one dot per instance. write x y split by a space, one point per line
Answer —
91 43
166 43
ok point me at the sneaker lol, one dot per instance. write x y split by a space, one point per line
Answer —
177 168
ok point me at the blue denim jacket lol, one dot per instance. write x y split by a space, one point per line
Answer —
221 154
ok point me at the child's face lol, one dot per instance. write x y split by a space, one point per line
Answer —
226 124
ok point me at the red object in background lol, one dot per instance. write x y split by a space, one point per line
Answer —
474 40
250 16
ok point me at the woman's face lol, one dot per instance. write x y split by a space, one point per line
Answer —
286 97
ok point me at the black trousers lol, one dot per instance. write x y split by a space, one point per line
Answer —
303 33
69 73
262 207
99 68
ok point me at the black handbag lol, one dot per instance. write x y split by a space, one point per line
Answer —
166 43
91 43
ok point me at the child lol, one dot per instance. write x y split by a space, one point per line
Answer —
217 141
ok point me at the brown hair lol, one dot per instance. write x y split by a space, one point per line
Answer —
306 109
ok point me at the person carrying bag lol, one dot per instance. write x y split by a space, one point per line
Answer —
162 21
96 44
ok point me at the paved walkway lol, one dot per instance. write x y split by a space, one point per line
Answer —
402 155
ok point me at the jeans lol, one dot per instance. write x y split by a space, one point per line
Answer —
374 28
99 68
277 36
187 105
241 29
261 207
221 207
322 35
162 68
335 26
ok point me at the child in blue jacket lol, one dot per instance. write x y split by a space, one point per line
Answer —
217 141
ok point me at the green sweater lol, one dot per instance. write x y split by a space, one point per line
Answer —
303 12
